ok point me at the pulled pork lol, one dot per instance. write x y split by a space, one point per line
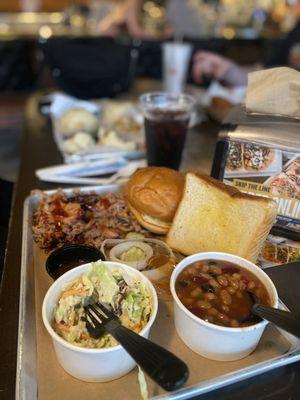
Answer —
81 218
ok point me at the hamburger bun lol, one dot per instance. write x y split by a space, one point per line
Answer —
153 195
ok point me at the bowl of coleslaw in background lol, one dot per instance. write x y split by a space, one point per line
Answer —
110 361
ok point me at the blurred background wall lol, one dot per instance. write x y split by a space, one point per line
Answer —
38 5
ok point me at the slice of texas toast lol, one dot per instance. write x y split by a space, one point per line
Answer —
213 216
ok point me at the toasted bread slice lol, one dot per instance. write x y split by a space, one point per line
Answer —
213 216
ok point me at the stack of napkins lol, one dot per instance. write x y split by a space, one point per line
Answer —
235 94
274 91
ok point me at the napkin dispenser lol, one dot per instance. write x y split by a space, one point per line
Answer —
260 155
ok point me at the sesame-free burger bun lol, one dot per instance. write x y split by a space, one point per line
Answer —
153 195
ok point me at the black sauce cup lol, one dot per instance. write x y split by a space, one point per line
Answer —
70 256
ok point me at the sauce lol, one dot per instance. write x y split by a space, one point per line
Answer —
67 266
71 256
58 211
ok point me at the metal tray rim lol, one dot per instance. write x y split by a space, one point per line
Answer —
205 386
20 374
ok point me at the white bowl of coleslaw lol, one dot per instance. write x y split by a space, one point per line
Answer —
127 291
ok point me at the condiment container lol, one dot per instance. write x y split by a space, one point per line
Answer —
93 365
214 341
70 256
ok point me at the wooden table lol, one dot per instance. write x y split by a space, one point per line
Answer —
38 151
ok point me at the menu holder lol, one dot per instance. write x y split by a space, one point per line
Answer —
260 155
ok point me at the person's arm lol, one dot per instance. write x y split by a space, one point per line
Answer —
132 16
220 68
126 15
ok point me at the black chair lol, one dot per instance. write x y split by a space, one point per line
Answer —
90 67
16 72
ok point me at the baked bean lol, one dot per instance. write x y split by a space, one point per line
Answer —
205 268
193 271
222 280
251 285
210 296
202 304
215 269
217 292
188 301
196 292
225 308
234 283
205 276
212 311
213 283
197 265
225 297
223 318
231 290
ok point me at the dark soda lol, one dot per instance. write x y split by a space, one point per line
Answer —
165 136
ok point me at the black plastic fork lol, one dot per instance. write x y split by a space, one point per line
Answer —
162 366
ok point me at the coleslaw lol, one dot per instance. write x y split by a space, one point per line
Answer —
122 294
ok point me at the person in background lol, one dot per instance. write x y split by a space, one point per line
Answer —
208 64
205 64
180 18
126 16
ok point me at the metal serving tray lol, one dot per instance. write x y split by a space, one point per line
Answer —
26 378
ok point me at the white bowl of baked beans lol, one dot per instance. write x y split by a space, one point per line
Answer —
212 304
